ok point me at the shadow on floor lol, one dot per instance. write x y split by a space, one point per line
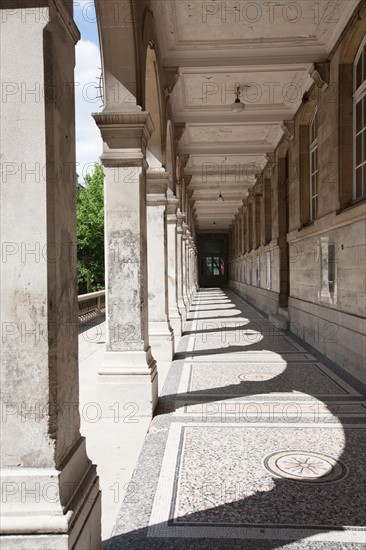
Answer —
322 505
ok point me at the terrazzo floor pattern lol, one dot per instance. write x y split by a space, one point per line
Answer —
258 442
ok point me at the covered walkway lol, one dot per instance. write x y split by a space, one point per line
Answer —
257 442
234 156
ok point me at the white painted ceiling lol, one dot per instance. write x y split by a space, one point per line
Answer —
265 47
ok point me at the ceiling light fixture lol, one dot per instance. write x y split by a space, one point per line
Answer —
237 106
220 198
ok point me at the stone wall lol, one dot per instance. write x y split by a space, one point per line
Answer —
317 273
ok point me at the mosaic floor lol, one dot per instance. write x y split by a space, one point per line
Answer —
258 442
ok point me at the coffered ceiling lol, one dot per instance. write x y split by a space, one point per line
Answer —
266 48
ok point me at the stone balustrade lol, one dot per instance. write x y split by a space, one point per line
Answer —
91 306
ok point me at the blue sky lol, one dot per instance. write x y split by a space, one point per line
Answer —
87 72
85 18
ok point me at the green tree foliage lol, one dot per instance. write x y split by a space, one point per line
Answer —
90 232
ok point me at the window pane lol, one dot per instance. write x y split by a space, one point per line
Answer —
222 265
358 117
331 267
216 266
315 207
359 72
358 149
209 265
364 180
359 182
364 110
364 63
364 145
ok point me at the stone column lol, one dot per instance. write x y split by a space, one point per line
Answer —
194 263
250 220
194 268
161 335
237 240
240 233
241 244
174 315
185 268
189 264
245 230
129 372
234 251
50 493
181 305
193 286
188 252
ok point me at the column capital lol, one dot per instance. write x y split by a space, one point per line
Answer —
185 229
180 219
187 179
250 195
172 206
320 73
258 189
288 127
125 136
179 129
157 184
171 76
184 160
271 159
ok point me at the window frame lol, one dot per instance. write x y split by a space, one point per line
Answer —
268 270
258 272
313 148
359 95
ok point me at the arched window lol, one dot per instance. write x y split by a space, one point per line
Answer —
359 124
313 155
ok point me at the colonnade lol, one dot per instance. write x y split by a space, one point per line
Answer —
50 490
145 294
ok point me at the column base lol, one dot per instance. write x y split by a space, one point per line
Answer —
161 339
175 321
127 384
187 302
182 310
45 508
